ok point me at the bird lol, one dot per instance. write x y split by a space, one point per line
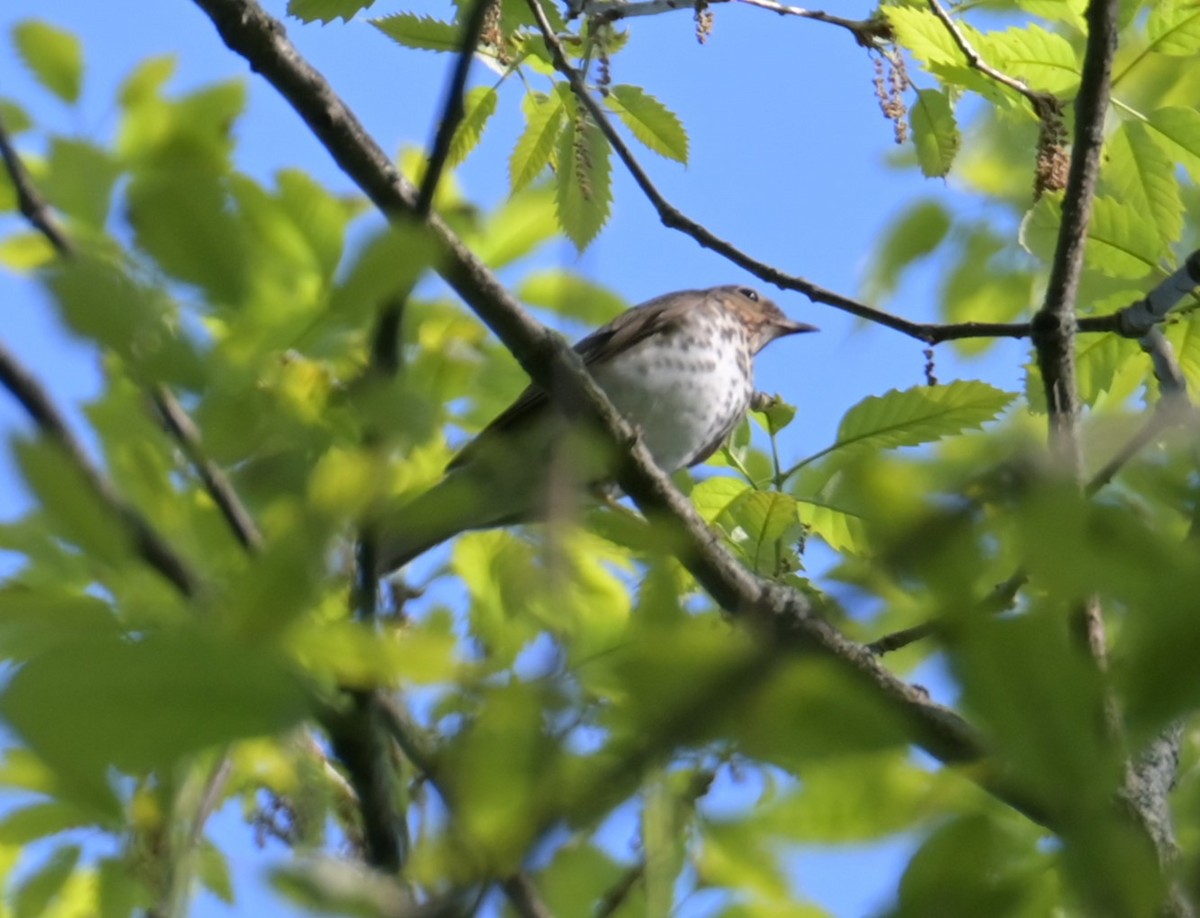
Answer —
679 368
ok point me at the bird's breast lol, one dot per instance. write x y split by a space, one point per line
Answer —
683 390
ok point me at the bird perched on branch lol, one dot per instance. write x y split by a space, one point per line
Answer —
679 368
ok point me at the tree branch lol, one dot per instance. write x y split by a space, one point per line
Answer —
149 545
452 111
32 205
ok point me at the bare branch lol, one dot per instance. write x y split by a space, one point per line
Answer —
150 546
32 205
218 486
452 111
869 33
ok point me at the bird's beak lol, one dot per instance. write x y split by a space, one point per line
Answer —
791 327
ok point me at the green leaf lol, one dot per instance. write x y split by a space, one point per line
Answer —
923 414
652 123
99 302
422 32
713 496
32 621
763 523
914 234
1173 27
16 120
35 893
146 81
139 705
320 216
842 529
535 146
935 132
53 56
924 35
183 221
1122 241
521 224
26 251
567 294
80 180
479 106
1043 60
213 871
1138 171
983 286
584 189
1177 130
28 824
326 10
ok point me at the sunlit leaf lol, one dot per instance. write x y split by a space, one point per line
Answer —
141 704
934 132
923 414
478 106
1177 129
422 32
1123 242
326 10
36 891
913 235
1174 27
54 57
571 295
583 187
1044 60
1139 172
539 140
652 123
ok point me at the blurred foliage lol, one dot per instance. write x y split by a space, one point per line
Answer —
572 678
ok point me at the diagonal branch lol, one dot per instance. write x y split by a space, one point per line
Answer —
453 111
150 546
32 205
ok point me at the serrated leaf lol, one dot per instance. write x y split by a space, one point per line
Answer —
652 123
36 891
583 192
1177 130
568 294
762 522
841 529
478 107
713 496
1173 27
911 236
1139 172
1044 60
422 32
923 414
326 10
53 56
925 36
535 146
934 131
1122 240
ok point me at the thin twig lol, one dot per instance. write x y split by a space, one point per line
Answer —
180 425
867 32
33 206
150 546
452 110
1044 104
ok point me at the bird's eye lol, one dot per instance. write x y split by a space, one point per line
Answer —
751 295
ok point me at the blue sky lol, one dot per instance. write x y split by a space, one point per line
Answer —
789 161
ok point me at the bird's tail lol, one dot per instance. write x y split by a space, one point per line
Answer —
456 504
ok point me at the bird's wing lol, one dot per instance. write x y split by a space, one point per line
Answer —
600 346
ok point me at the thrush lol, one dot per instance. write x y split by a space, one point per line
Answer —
679 368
